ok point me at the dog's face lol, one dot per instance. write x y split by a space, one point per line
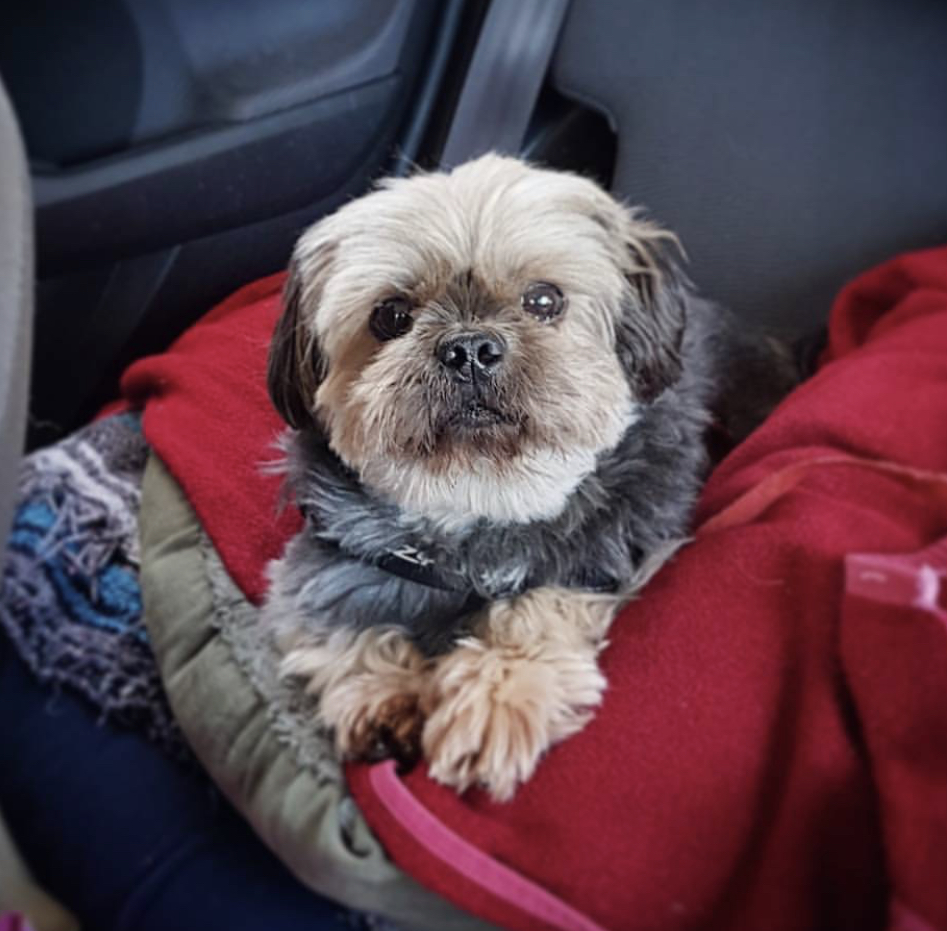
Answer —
471 342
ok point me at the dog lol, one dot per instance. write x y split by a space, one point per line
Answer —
500 385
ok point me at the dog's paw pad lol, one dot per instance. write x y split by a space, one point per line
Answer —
369 725
397 730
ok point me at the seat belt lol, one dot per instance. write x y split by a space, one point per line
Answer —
503 80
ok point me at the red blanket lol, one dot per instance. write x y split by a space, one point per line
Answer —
772 749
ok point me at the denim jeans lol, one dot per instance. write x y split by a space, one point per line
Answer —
124 837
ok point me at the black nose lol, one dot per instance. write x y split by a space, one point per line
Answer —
471 354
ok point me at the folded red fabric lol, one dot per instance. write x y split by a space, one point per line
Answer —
772 748
209 418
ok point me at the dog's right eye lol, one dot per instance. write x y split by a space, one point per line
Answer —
543 300
390 319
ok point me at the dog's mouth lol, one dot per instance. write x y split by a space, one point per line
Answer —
477 407
474 421
476 415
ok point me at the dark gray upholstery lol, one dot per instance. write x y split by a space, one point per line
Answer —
790 143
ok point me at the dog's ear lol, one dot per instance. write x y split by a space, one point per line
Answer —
650 328
294 367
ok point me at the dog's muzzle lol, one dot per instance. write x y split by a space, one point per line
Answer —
472 361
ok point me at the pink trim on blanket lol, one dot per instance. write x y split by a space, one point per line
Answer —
903 919
468 860
915 579
11 921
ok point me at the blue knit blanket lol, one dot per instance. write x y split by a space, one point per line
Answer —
70 599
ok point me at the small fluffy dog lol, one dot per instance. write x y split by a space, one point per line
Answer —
500 385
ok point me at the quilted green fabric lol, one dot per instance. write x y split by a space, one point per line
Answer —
250 732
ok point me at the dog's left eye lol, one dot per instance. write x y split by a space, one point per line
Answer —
543 300
390 318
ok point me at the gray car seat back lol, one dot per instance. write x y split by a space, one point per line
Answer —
790 143
16 302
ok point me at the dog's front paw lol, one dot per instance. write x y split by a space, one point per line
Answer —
370 689
496 710
380 723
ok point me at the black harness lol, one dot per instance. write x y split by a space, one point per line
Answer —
414 565
411 564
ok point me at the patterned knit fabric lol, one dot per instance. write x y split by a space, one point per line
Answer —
70 599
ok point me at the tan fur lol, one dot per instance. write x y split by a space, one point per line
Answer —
489 709
529 680
332 397
485 713
503 225
371 687
462 247
535 483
